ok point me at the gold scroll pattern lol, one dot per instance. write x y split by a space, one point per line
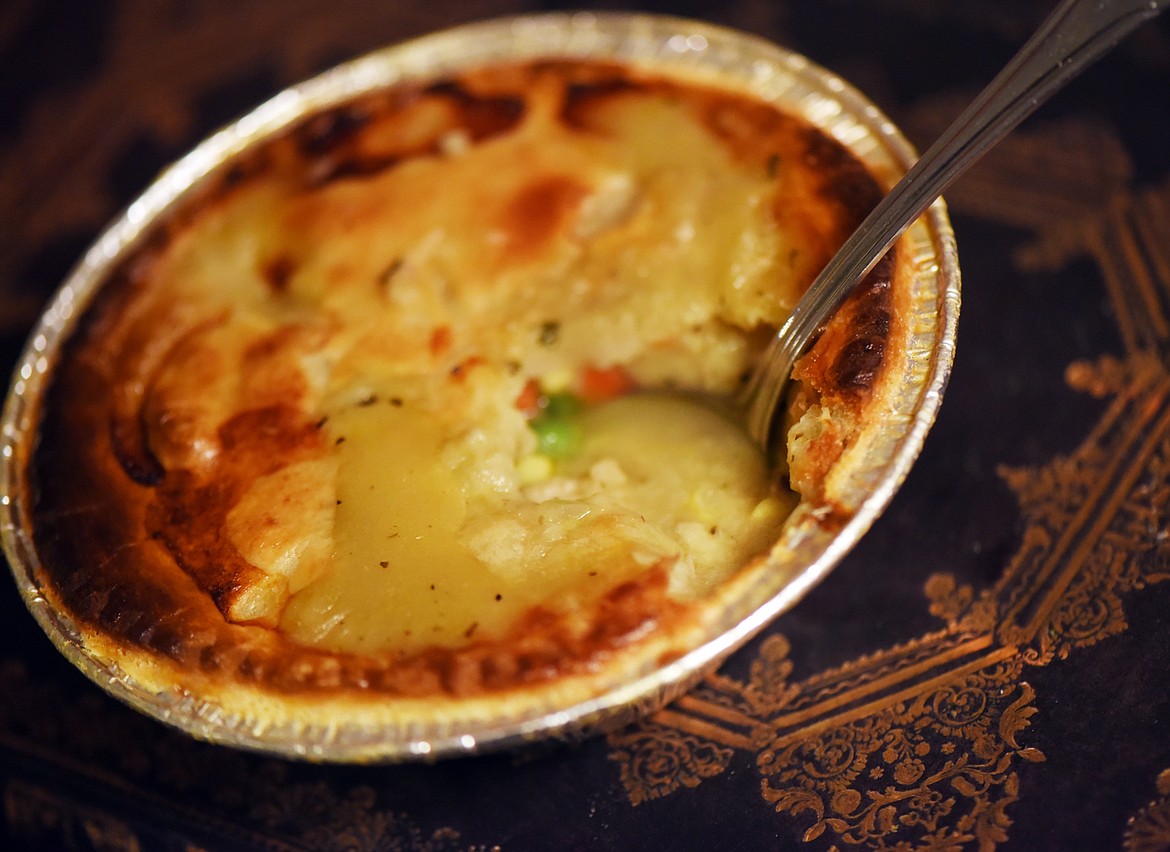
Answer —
1149 830
918 746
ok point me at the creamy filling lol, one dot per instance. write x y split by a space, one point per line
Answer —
411 312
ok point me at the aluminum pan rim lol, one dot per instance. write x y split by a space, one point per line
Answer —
670 44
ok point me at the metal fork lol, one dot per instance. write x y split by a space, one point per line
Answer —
1076 34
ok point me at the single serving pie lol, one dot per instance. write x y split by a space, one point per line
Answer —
411 415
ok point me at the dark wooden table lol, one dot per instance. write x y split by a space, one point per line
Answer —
989 668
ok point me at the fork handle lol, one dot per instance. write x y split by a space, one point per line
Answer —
1076 34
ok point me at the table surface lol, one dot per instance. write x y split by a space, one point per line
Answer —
987 669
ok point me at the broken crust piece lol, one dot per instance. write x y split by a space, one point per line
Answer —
834 384
282 465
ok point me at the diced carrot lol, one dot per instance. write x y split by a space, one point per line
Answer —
440 340
599 384
528 401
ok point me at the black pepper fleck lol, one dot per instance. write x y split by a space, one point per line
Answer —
549 332
389 272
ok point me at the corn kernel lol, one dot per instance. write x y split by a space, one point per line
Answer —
557 381
534 468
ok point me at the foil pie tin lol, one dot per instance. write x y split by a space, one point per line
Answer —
807 550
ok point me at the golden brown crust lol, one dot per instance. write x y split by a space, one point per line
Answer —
131 509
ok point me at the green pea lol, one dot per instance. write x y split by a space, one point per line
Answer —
557 437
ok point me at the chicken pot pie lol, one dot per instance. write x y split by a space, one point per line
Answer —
404 418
